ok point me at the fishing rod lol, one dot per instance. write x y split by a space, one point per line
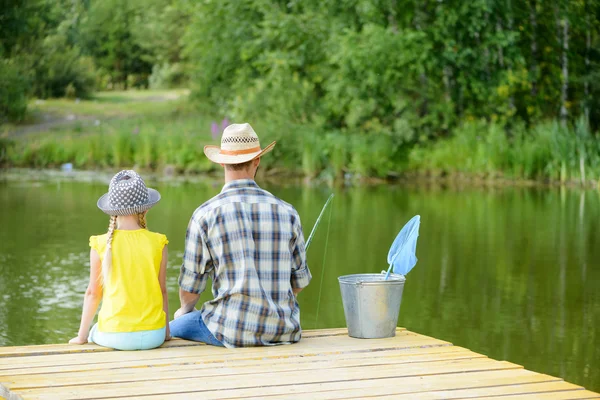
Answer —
312 233
310 237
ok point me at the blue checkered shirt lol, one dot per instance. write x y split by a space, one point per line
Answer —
251 245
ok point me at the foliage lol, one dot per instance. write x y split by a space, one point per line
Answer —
60 70
166 76
158 135
411 70
547 151
14 90
365 87
106 30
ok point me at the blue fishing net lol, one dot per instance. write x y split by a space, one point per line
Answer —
402 255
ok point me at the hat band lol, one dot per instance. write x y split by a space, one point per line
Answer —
238 152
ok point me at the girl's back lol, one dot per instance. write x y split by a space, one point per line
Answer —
132 299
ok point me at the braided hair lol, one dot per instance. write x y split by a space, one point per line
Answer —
142 220
107 261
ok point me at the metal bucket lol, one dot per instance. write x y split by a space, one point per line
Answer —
371 304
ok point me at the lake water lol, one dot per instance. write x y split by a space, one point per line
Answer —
512 273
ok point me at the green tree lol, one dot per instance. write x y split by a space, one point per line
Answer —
107 31
14 91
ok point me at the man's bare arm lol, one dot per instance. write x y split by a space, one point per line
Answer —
188 302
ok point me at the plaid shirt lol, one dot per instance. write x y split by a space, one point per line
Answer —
250 243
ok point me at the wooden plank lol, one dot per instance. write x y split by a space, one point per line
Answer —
332 332
472 393
230 378
328 389
570 395
309 346
47 349
326 364
200 369
208 351
408 354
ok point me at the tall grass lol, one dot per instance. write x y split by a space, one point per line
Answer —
337 152
312 154
479 149
146 144
547 151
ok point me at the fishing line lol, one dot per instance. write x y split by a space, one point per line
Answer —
323 268
314 229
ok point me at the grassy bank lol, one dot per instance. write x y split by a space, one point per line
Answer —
161 131
546 152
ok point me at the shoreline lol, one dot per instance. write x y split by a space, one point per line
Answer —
278 176
161 135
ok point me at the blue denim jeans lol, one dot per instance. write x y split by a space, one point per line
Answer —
190 326
141 340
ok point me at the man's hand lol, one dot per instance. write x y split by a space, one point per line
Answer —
181 312
188 302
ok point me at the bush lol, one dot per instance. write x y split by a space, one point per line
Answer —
167 76
5 147
546 151
14 90
60 70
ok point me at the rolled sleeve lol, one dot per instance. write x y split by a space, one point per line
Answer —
192 282
301 278
300 273
197 262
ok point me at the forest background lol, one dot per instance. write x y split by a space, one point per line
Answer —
480 89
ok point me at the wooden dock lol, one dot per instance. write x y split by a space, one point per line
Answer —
326 364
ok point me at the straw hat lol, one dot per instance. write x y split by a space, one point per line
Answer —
127 195
239 144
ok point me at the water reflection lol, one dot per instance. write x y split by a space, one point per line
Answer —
511 272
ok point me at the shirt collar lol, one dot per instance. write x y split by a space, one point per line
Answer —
240 183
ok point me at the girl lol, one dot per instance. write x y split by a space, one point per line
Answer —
128 268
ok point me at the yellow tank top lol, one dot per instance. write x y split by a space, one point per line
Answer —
132 300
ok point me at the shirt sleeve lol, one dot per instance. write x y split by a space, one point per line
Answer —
97 244
300 273
162 241
197 262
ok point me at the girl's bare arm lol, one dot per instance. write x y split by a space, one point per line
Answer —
162 278
92 298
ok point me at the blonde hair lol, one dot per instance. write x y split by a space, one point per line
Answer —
107 261
142 220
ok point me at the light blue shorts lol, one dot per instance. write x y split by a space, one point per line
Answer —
141 340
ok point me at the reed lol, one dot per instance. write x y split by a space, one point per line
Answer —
173 134
547 152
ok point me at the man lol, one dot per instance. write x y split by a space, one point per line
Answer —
250 243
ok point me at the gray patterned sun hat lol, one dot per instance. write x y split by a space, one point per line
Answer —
127 195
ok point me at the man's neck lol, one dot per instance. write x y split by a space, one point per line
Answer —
237 175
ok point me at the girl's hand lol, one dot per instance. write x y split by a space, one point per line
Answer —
78 340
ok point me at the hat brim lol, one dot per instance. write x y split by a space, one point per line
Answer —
214 154
104 205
